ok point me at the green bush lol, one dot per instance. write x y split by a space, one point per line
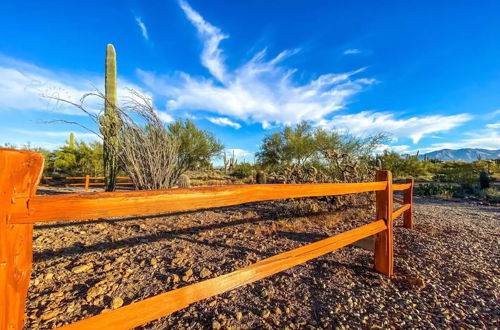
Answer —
243 170
437 189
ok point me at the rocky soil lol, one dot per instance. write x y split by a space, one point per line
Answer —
447 270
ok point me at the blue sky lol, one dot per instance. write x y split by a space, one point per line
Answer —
428 73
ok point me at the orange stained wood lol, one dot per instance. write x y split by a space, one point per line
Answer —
86 206
408 199
399 187
400 211
384 250
155 307
20 172
81 177
97 184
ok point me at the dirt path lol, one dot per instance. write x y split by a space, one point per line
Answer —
447 271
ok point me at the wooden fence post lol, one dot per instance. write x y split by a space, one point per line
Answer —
20 172
384 251
408 199
87 182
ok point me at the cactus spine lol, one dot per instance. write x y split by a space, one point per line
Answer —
110 121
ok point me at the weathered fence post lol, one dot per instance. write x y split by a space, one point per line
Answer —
20 172
408 199
384 251
87 182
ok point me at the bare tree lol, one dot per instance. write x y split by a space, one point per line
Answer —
146 150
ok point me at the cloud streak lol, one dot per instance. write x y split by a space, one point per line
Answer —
27 87
416 128
142 26
352 51
223 121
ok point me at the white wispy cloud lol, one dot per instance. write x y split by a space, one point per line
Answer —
211 56
223 121
494 125
24 86
87 136
240 154
397 148
416 128
486 140
262 90
142 26
165 117
351 51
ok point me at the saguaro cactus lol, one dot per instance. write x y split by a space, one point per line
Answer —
110 121
71 140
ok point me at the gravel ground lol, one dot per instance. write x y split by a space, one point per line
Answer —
446 270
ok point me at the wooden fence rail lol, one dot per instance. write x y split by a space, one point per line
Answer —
88 181
20 172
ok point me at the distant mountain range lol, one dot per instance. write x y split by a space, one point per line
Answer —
466 155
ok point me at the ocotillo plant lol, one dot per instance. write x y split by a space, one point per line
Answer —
110 121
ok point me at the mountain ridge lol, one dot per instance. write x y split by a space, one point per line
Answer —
464 154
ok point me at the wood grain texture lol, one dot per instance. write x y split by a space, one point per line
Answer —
408 199
384 250
400 187
86 206
20 172
400 211
150 309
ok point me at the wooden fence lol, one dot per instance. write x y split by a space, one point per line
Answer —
20 172
88 181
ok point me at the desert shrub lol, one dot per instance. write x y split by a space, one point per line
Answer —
437 189
76 158
303 154
491 195
303 144
196 147
243 170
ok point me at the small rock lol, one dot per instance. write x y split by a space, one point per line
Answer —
277 310
49 316
175 278
205 273
82 268
239 315
153 262
266 313
94 291
216 325
49 276
116 302
187 275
